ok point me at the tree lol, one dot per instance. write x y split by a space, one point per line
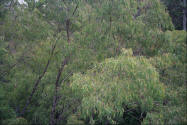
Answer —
171 65
107 91
46 46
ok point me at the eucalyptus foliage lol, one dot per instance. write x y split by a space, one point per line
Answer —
90 62
115 83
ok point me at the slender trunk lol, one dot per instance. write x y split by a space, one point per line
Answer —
53 118
184 15
67 29
53 111
110 22
68 24
38 81
75 9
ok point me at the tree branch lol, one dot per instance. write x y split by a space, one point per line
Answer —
38 80
55 98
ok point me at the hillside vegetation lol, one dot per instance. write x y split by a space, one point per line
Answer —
79 62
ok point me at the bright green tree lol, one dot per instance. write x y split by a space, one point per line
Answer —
117 87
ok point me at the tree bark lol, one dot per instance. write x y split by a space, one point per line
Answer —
67 29
53 120
68 24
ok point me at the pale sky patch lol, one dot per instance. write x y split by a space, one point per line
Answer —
21 1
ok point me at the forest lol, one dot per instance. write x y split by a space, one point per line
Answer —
93 62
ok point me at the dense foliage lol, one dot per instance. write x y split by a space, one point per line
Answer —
91 62
116 87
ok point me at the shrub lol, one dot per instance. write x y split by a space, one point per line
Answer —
171 61
117 87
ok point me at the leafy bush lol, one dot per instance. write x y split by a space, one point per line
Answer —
171 63
115 85
173 112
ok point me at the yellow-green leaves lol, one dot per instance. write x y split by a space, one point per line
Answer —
116 82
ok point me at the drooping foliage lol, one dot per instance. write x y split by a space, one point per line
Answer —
116 86
48 45
172 69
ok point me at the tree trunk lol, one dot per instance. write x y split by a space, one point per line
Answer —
53 120
67 29
38 81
